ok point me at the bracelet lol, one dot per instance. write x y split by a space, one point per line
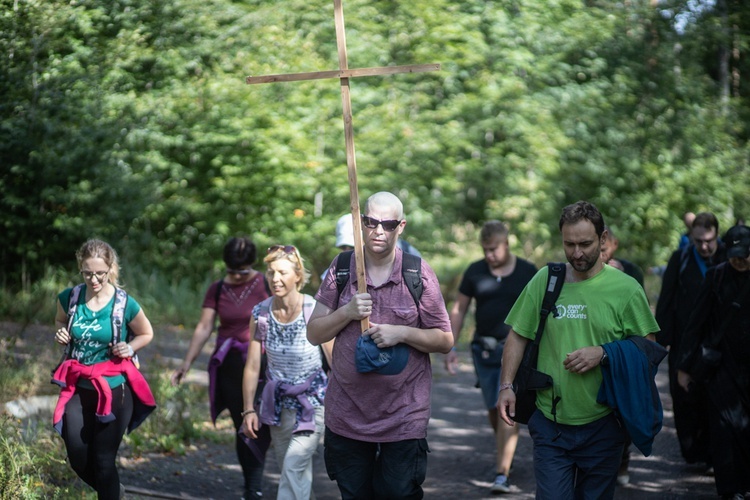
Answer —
131 352
506 386
246 412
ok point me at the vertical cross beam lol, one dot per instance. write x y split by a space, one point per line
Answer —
343 74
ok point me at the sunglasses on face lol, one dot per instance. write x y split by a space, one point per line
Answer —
372 223
241 272
284 248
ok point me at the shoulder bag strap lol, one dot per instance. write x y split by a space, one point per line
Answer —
555 280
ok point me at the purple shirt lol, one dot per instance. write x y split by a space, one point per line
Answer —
235 306
369 406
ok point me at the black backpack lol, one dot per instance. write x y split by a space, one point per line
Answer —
411 270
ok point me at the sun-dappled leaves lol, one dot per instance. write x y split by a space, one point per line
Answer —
131 121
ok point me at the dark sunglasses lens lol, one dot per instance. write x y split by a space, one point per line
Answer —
369 222
243 272
388 225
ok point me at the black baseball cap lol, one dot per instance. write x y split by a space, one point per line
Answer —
737 241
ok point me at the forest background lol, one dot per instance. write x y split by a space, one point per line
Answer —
130 121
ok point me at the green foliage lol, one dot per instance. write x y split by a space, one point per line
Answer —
178 420
20 379
29 468
130 121
167 299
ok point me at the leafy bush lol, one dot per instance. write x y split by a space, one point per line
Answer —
172 425
30 463
36 301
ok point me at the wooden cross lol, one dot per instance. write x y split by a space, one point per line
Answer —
343 74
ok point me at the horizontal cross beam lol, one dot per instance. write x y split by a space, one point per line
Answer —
343 73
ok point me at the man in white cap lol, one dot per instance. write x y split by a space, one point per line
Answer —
345 233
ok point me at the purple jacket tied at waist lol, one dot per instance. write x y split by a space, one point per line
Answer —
68 373
275 390
223 346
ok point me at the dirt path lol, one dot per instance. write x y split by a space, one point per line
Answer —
460 465
461 462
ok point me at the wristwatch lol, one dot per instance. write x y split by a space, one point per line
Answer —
506 386
605 359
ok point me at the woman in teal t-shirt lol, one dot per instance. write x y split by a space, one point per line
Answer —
90 440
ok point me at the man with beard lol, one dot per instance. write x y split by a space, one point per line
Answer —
495 282
578 442
679 290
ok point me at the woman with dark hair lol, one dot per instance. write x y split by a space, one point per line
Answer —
103 393
231 300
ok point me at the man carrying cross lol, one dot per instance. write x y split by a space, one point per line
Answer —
378 400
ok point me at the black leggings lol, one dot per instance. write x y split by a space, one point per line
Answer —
91 445
229 386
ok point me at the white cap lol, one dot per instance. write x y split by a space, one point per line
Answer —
345 231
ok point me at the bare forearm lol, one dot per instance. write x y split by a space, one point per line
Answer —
458 314
457 324
142 330
200 336
429 340
326 323
515 345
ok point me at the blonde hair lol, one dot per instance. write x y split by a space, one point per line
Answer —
289 252
94 249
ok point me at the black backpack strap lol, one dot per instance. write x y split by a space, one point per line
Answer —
684 254
555 280
411 270
341 270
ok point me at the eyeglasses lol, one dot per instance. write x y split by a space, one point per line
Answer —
388 225
285 248
100 275
241 272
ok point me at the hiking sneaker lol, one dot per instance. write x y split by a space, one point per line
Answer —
501 485
623 478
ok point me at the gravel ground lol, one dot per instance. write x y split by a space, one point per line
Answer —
461 462
460 465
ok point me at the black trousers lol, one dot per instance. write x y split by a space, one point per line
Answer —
229 386
92 445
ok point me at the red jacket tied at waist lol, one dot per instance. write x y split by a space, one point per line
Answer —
68 373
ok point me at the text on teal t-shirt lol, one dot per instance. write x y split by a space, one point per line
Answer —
91 333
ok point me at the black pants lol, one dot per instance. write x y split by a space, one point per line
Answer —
91 445
375 471
229 386
690 419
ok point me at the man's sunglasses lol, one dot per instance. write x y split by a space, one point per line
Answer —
372 223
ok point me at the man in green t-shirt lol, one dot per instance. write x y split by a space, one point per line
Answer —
578 442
